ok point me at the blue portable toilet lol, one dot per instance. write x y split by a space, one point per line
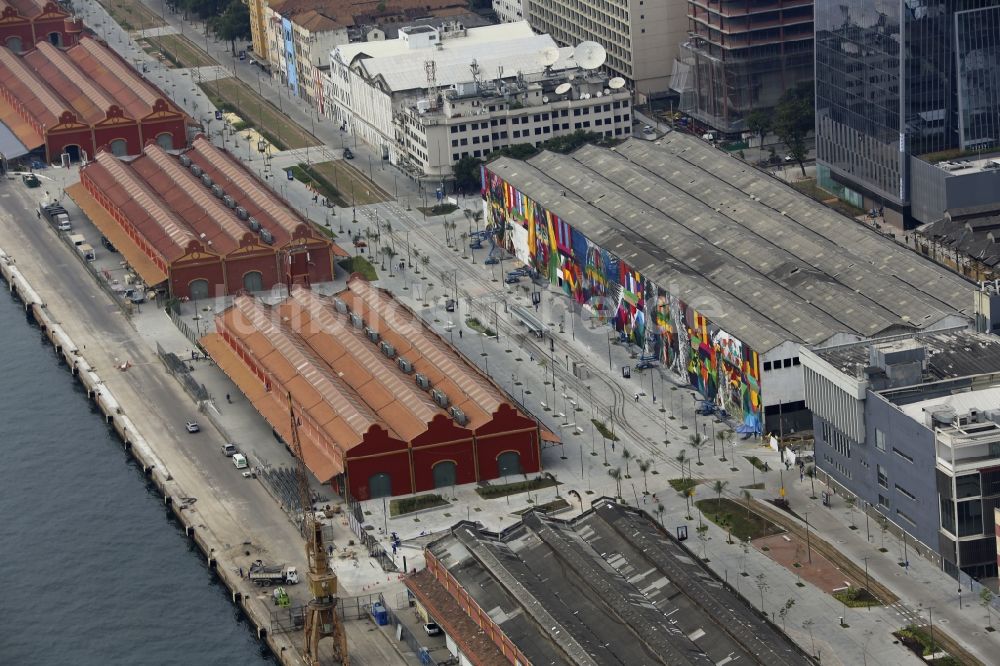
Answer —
380 614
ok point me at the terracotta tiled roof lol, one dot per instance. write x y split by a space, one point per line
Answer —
193 202
475 644
27 86
130 91
258 199
159 226
314 21
55 68
466 386
27 8
349 13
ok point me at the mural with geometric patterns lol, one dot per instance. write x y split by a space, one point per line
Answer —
718 365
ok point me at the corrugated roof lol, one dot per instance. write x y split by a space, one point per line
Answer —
20 127
26 86
752 255
130 91
60 73
27 8
466 386
159 226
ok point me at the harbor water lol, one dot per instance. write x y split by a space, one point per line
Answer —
97 573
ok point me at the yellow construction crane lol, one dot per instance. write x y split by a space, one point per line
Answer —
321 617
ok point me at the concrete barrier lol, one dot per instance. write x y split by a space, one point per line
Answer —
137 446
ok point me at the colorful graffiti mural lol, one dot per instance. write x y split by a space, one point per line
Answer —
717 364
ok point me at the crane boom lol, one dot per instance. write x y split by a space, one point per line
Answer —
321 618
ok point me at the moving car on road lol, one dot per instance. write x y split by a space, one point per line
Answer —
192 426
229 450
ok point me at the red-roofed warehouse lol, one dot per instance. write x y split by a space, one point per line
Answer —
386 407
27 22
201 223
84 98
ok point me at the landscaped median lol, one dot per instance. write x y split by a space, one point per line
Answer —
405 505
503 490
739 520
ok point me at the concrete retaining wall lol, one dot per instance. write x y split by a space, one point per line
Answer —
133 441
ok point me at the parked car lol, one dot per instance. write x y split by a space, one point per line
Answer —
109 246
348 155
491 260
432 629
31 180
239 461
229 450
192 427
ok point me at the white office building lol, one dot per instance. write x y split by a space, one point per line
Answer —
509 11
434 96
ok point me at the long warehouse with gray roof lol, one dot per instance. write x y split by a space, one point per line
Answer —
608 587
743 254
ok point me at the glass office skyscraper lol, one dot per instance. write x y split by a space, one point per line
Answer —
896 78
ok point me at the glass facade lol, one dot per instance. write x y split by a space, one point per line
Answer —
886 85
977 32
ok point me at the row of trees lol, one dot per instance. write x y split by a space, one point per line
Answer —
228 19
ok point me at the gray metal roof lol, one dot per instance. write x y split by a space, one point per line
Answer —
762 261
606 588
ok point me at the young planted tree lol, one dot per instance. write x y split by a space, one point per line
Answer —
627 456
986 598
644 467
616 474
783 612
747 497
719 487
682 459
689 494
696 442
762 586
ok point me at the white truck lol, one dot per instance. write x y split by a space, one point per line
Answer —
265 576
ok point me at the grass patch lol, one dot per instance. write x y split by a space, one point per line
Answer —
359 265
477 325
548 507
404 505
504 489
680 485
856 597
918 641
181 51
754 486
132 14
734 517
230 94
350 182
756 462
604 430
437 209
318 177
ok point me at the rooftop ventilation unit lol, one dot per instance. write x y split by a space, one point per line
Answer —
266 236
459 416
404 365
422 381
387 349
254 224
206 180
356 320
196 170
340 305
440 397
242 213
371 334
229 201
217 191
185 161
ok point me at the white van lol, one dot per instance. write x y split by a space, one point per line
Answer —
239 461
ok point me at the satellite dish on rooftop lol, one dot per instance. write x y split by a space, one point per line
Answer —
563 88
545 100
589 55
598 94
616 83
550 55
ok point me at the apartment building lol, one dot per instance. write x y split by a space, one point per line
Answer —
509 11
435 95
741 55
641 37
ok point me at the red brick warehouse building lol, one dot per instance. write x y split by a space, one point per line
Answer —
80 99
200 224
24 23
385 406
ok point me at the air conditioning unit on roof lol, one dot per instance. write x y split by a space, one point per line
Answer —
371 334
217 191
196 170
185 161
404 365
206 180
242 213
340 305
229 201
266 236
459 416
422 381
254 224
440 397
387 349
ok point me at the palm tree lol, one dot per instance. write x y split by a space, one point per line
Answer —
392 240
719 487
416 258
465 245
696 441
721 436
644 466
627 455
616 474
682 458
747 497
688 494
384 251
425 260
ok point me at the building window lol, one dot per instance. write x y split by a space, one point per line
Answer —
787 363
902 455
879 440
905 517
883 501
883 478
767 366
904 491
795 361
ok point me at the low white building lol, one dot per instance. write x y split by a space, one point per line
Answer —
438 94
509 11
